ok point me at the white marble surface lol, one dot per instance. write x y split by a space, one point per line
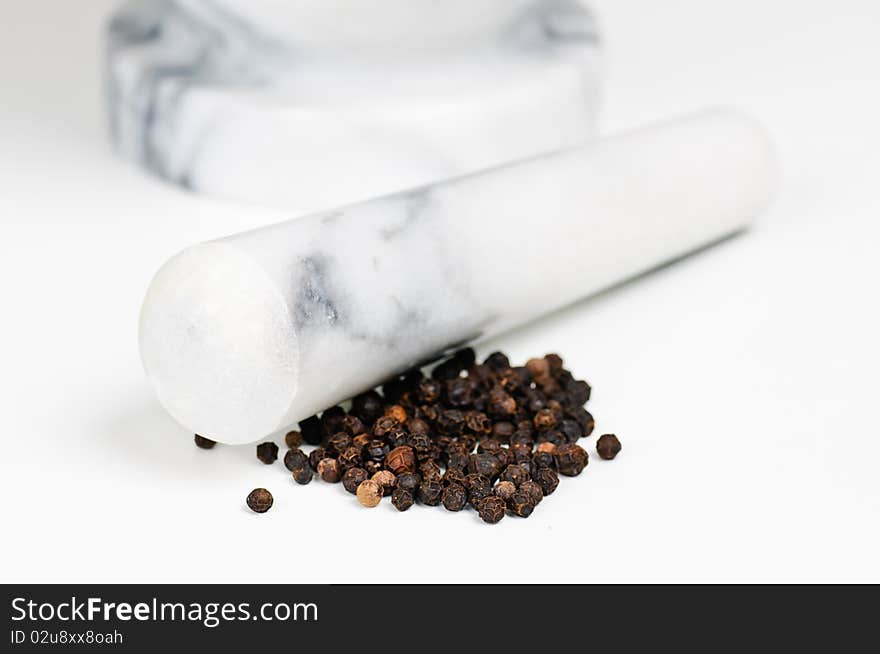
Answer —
308 105
247 335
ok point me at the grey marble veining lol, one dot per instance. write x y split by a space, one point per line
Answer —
245 335
305 105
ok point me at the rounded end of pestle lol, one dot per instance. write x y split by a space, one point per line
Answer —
218 344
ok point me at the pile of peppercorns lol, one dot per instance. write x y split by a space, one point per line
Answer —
491 436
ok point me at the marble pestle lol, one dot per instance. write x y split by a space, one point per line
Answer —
243 336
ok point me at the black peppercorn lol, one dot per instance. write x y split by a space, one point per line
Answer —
302 475
367 406
353 478
372 467
204 443
491 509
477 487
608 446
454 497
312 430
402 499
430 492
453 476
484 464
545 419
520 503
353 426
500 403
376 450
533 490
267 452
295 458
332 418
315 457
338 442
259 500
547 479
497 361
409 481
430 471
515 474
578 392
429 391
571 459
351 457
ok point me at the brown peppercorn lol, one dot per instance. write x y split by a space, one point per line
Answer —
418 426
369 493
260 500
430 492
409 481
267 452
386 480
539 369
546 447
478 487
401 459
504 489
351 457
545 419
353 478
204 443
491 509
338 442
454 497
384 425
329 470
554 361
360 440
302 475
396 412
430 471
520 503
547 479
352 425
533 490
571 459
608 446
453 476
516 474
293 439
402 499
522 453
501 403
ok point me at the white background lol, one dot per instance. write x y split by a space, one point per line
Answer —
742 381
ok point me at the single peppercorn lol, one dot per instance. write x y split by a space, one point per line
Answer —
312 430
351 457
353 478
484 464
497 361
295 458
538 368
520 504
504 489
516 474
547 479
386 480
402 499
500 403
293 439
545 419
260 500
533 490
477 487
331 419
430 492
608 446
353 426
302 475
329 470
409 481
453 476
454 497
369 493
571 459
267 452
315 457
491 509
204 443
367 406
396 412
430 471
401 459
338 442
